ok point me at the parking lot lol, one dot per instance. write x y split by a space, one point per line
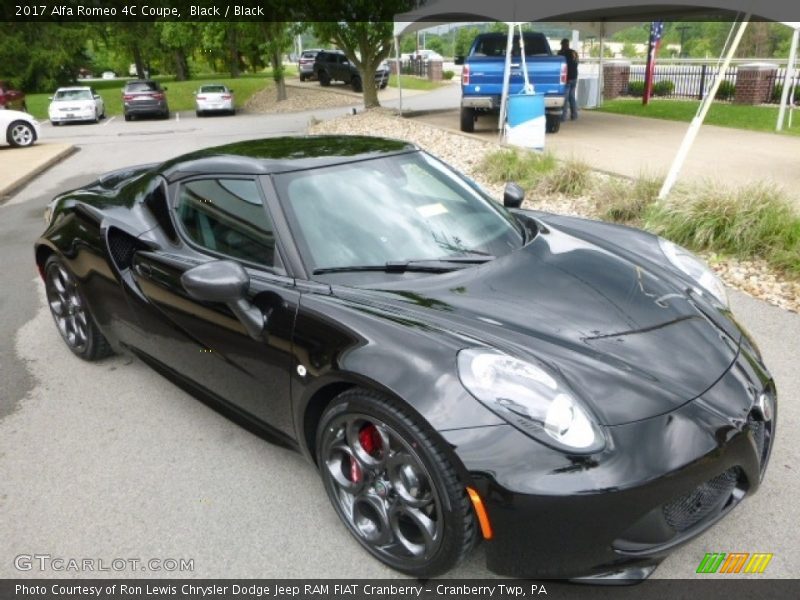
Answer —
110 460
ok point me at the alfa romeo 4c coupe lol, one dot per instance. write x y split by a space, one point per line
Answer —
573 394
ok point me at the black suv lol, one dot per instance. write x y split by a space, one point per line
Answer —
332 65
144 97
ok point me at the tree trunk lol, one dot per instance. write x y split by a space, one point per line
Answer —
233 52
138 61
181 65
277 75
367 73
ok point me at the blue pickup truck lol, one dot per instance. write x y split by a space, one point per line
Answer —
482 76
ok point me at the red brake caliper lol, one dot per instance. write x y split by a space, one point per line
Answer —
370 441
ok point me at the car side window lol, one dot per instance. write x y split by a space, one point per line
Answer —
227 216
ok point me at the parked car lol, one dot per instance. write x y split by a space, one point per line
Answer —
213 97
19 128
429 55
576 393
482 76
76 104
306 63
109 75
11 98
333 65
144 97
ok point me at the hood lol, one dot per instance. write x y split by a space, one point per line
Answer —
626 336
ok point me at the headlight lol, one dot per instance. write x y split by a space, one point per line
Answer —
530 399
695 268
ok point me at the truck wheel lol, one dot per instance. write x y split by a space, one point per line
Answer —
553 123
467 119
356 83
324 79
302 77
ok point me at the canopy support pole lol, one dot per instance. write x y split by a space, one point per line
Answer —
694 127
506 78
399 68
787 80
600 79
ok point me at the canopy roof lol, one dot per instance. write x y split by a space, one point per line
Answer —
590 16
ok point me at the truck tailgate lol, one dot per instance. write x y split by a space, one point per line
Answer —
546 73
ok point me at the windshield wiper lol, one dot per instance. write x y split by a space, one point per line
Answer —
426 265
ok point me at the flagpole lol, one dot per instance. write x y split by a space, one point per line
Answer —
648 70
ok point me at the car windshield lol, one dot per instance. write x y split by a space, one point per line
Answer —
407 207
212 89
142 86
68 95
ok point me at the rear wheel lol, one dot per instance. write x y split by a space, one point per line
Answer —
356 83
69 310
392 484
302 77
324 79
128 117
467 119
553 123
20 134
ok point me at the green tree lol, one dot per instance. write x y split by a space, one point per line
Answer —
181 38
363 30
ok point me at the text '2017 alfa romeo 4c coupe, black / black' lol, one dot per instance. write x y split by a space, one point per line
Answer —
575 394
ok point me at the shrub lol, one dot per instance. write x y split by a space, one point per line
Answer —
636 89
756 221
663 88
778 90
571 178
726 91
448 74
624 201
528 169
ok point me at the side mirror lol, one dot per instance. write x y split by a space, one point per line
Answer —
96 96
513 195
227 282
459 60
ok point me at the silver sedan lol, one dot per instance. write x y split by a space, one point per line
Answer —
214 98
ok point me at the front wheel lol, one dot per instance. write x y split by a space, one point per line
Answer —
356 83
72 317
20 134
553 123
392 484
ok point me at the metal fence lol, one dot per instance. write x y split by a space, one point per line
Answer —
694 81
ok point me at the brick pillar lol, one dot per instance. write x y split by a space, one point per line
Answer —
616 74
435 70
754 83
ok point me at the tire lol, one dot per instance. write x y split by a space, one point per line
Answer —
467 119
384 85
324 79
198 113
553 123
20 134
71 314
302 77
128 117
165 115
356 83
392 485
96 118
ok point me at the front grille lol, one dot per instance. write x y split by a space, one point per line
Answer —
707 499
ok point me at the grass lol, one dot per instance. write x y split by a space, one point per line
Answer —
410 82
738 116
180 94
756 221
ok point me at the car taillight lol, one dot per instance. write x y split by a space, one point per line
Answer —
226 96
465 75
563 73
158 96
127 97
201 97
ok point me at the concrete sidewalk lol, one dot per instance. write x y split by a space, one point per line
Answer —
20 165
633 146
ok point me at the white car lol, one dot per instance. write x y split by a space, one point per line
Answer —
20 129
76 104
214 98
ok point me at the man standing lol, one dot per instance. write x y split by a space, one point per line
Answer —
572 80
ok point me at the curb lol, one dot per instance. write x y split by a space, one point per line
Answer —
8 191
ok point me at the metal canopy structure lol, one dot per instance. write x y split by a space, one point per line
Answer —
604 17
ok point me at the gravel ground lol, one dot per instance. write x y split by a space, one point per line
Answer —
756 278
298 99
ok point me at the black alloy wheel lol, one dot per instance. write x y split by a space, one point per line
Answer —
72 317
392 484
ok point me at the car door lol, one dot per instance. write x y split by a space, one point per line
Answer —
98 101
222 218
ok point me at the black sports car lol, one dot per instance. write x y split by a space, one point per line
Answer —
575 393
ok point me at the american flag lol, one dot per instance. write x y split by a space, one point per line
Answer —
656 33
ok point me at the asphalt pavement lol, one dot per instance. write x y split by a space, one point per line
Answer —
109 460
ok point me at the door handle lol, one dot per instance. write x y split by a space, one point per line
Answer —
144 269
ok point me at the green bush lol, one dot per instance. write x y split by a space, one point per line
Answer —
528 169
636 89
756 221
663 88
623 201
777 91
726 91
448 75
